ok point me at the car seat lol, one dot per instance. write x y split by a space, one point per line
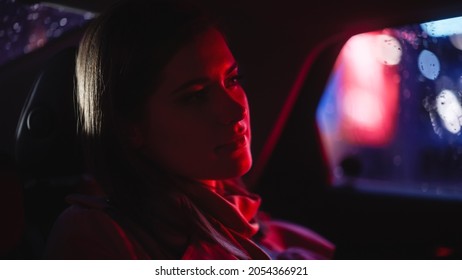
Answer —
47 149
11 208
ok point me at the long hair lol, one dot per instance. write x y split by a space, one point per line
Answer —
119 64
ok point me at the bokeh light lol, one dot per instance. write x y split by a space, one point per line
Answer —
429 65
388 50
444 27
450 111
456 41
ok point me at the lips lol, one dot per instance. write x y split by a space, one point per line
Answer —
234 145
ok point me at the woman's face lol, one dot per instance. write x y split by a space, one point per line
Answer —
197 122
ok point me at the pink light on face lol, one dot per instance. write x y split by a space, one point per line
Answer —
369 92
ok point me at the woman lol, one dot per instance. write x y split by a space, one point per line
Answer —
166 130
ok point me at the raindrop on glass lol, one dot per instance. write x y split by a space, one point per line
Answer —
27 48
17 27
429 64
57 33
54 25
32 38
88 15
63 22
32 16
41 42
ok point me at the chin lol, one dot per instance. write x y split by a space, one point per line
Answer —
234 169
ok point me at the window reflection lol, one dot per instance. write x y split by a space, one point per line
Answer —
24 28
393 106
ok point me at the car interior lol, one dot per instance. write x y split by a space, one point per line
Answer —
356 119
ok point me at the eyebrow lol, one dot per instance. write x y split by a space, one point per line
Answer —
188 84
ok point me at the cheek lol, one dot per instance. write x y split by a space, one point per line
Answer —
174 138
185 142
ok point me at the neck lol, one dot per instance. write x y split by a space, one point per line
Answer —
212 184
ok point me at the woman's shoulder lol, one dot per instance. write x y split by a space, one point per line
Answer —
86 230
291 241
84 215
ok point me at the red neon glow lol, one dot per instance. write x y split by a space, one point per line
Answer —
368 90
443 252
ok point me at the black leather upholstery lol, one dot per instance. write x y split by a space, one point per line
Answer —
47 149
11 208
46 140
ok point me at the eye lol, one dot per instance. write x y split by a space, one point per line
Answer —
233 81
195 97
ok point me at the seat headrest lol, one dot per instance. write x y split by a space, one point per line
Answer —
47 145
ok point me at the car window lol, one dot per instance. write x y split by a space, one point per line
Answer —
390 117
25 28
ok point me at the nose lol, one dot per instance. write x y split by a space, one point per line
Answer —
232 107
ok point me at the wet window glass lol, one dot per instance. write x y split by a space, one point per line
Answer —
24 28
391 114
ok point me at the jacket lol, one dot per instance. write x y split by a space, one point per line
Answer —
92 229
